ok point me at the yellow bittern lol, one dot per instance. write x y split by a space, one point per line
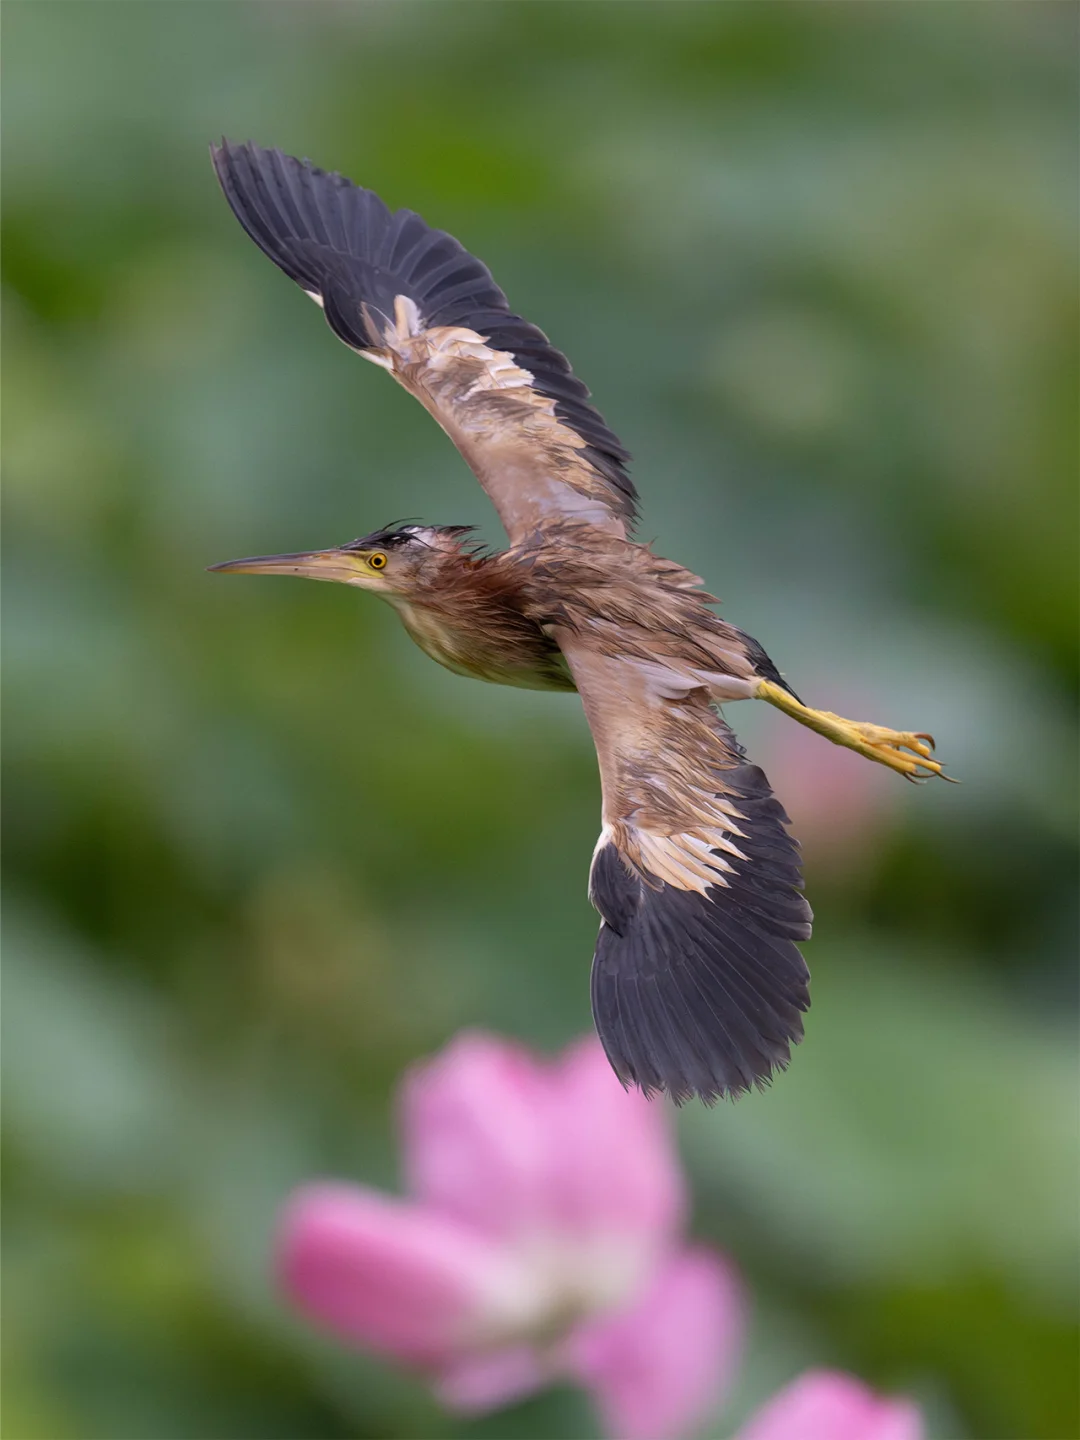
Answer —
697 984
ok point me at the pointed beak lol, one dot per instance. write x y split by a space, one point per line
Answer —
342 565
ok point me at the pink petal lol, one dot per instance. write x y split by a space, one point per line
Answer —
520 1147
390 1276
828 1405
486 1382
614 1166
659 1368
475 1137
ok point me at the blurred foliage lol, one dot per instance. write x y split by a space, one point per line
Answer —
818 265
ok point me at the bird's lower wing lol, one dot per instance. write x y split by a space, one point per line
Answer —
413 300
698 987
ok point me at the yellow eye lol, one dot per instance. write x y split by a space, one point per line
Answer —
377 561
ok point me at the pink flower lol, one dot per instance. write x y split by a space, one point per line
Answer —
541 1243
826 1405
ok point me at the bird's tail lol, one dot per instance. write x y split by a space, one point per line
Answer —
703 993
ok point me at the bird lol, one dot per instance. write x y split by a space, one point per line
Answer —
698 984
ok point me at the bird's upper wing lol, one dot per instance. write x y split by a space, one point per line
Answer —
698 987
413 300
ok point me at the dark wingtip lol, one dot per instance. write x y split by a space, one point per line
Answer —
701 995
221 151
340 242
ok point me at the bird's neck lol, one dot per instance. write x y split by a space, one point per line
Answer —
470 621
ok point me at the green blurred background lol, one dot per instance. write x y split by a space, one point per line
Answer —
818 265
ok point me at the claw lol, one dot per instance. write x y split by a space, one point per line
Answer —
907 752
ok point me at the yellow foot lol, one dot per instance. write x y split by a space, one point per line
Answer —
907 752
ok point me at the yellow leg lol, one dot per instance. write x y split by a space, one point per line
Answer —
908 753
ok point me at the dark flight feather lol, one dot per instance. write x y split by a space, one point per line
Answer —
341 244
704 994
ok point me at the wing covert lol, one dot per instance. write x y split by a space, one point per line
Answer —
413 300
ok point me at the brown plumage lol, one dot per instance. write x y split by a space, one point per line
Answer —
698 986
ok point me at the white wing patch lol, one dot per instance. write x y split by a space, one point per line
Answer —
663 755
685 861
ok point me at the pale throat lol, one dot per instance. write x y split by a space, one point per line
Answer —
520 660
443 642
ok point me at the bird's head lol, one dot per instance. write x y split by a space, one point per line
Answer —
391 562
